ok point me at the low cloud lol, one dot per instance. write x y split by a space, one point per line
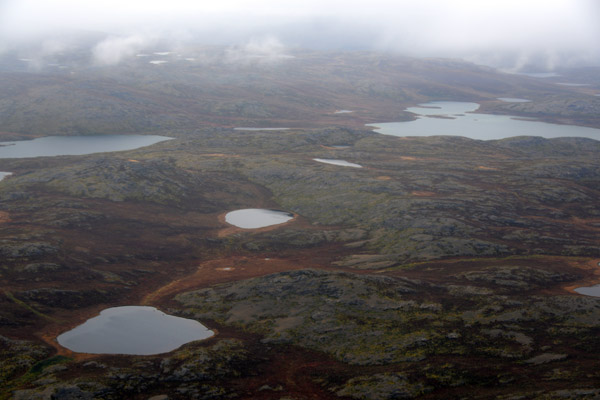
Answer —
509 34
43 52
113 50
265 50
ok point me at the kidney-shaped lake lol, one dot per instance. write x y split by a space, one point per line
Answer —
133 330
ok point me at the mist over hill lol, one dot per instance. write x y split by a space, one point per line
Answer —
513 35
256 85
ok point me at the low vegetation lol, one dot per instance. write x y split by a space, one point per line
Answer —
443 268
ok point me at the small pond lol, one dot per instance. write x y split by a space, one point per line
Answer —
133 330
539 74
513 100
589 290
341 163
243 128
343 112
573 84
4 175
252 218
453 118
75 145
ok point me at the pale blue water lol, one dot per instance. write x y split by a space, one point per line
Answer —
539 74
242 128
133 330
589 291
4 175
458 120
75 145
573 84
252 218
513 100
341 163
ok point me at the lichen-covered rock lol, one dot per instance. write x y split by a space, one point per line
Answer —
26 249
69 299
514 277
17 356
385 386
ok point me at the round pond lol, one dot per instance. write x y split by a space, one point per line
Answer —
133 330
252 218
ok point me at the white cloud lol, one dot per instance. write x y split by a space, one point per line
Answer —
265 50
557 31
114 49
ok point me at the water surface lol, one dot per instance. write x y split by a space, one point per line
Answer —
132 330
589 291
513 100
573 84
447 108
4 175
75 145
539 74
343 112
341 163
252 218
448 118
243 128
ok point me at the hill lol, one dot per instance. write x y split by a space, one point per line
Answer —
443 268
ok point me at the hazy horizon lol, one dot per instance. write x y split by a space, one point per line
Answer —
510 35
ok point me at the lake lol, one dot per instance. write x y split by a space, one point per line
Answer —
252 218
341 163
4 175
589 290
451 118
75 145
133 330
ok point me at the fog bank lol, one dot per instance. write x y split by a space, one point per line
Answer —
509 34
